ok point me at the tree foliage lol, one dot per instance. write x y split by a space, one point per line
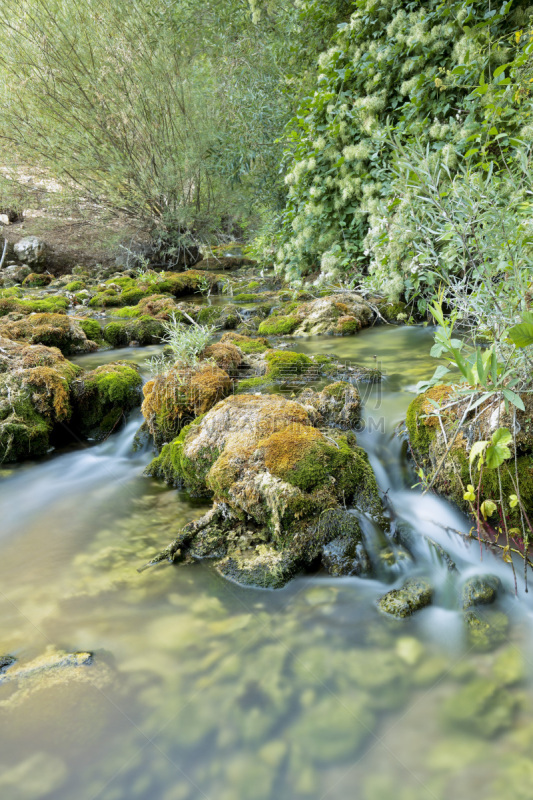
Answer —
426 71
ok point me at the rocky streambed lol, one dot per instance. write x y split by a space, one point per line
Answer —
389 659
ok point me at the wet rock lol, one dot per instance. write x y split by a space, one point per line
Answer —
416 593
32 251
338 404
225 263
480 590
442 556
6 662
273 477
345 553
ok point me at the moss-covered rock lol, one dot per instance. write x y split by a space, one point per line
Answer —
345 553
416 593
247 344
116 334
279 325
480 590
37 305
179 284
429 439
276 476
35 386
341 315
92 329
173 399
225 355
36 279
52 330
102 398
339 404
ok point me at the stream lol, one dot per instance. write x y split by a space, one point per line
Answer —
201 689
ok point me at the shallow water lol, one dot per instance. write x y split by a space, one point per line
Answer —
202 689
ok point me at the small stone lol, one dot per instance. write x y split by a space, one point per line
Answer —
416 593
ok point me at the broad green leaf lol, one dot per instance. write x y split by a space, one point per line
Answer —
522 335
488 507
498 451
513 398
477 450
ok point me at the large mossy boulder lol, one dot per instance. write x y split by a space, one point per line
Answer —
103 396
174 398
443 450
35 386
274 479
51 330
340 315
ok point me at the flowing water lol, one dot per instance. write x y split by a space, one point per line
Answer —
203 689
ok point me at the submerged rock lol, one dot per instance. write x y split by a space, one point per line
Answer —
483 707
274 479
416 593
487 629
6 662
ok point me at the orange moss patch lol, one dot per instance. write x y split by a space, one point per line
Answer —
50 391
182 393
285 448
225 355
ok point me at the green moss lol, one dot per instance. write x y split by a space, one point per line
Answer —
74 286
173 467
251 383
130 312
44 305
130 297
283 364
106 299
24 432
37 279
146 330
391 310
253 285
246 344
279 326
245 298
101 397
422 427
116 334
348 326
91 329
